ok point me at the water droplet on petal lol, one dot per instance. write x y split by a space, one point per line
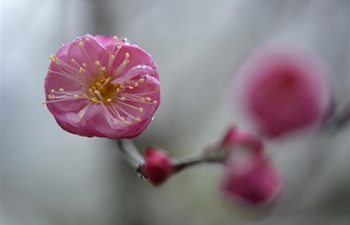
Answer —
126 41
77 39
152 117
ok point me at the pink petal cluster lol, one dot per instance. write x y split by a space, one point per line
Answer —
283 90
101 86
252 181
158 166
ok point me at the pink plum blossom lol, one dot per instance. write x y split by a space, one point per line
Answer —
251 181
101 86
158 166
283 90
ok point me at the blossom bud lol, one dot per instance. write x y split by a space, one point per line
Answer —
158 166
252 182
283 90
235 137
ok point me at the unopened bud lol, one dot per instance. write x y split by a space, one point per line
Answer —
158 165
252 182
235 137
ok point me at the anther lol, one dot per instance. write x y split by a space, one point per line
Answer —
61 89
122 98
72 60
97 63
52 90
127 55
127 122
109 100
140 109
119 47
43 102
136 84
143 99
148 99
141 80
81 44
115 38
157 89
76 96
103 68
49 71
53 58
84 65
155 102
138 119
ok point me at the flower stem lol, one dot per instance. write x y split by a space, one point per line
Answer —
340 118
132 156
212 156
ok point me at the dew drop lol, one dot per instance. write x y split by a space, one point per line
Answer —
126 41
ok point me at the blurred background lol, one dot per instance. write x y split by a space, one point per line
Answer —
51 177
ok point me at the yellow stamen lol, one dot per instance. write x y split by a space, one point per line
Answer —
81 44
53 58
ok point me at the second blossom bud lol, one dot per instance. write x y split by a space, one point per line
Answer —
158 166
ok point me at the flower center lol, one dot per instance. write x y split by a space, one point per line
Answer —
103 90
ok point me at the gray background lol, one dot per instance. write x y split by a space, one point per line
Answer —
50 177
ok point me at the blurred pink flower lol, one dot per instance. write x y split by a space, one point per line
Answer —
283 90
252 181
100 86
158 166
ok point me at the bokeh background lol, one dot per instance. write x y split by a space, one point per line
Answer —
50 177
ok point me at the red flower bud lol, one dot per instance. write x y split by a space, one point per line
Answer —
235 137
158 166
252 181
